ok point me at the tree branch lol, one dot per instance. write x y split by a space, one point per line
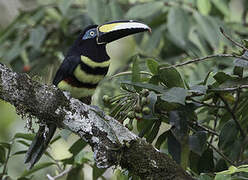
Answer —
230 39
111 142
196 60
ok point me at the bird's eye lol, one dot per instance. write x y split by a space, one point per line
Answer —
92 33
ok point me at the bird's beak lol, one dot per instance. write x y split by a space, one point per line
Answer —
112 31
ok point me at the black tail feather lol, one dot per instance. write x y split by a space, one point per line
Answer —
39 144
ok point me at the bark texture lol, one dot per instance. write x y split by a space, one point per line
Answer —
111 142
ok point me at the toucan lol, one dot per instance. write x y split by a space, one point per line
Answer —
85 65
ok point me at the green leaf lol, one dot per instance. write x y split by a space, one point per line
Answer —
77 146
152 135
238 71
235 151
170 77
221 165
23 143
65 133
54 14
120 175
144 126
152 99
207 29
221 77
136 69
231 170
199 89
97 172
97 11
18 153
152 46
178 26
178 119
36 168
2 155
193 161
25 136
154 80
204 177
197 142
5 145
228 135
116 10
175 95
64 6
206 161
152 65
76 173
83 157
37 37
199 42
222 177
161 139
55 139
144 10
24 178
14 51
240 62
207 77
204 6
174 147
222 5
242 168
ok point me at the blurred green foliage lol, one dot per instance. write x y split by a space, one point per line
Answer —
196 113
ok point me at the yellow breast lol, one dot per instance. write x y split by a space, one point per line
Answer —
82 76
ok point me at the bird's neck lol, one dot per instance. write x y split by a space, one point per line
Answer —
89 49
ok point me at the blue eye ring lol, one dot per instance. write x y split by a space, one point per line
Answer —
92 33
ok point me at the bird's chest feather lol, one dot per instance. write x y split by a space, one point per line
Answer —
85 78
89 71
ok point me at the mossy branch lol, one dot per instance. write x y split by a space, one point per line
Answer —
111 142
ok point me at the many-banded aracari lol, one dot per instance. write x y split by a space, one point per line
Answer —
84 66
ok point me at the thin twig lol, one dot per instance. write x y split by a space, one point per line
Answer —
233 116
59 175
230 89
205 58
230 39
214 55
221 154
206 104
204 128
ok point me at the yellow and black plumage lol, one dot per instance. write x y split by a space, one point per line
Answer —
84 66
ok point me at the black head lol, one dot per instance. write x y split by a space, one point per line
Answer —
92 41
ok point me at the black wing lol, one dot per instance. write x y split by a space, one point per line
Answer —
66 69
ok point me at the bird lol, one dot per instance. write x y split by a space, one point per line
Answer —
84 66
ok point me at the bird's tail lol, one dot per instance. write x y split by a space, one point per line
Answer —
39 144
